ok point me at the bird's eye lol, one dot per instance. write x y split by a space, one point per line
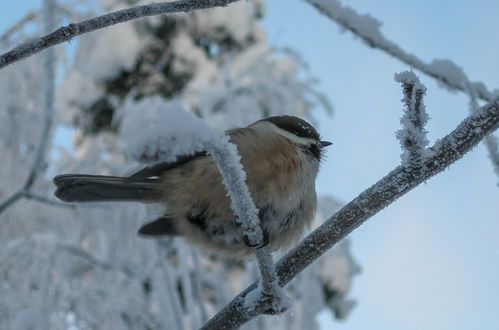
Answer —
314 150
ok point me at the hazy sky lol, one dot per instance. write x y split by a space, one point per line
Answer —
430 260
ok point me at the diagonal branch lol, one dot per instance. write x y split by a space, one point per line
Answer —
367 29
446 72
72 30
395 184
490 141
29 17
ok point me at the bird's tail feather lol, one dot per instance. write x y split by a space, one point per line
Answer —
100 188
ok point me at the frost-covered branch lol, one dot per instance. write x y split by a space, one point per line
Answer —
72 30
446 72
412 136
395 184
367 28
228 161
171 132
491 140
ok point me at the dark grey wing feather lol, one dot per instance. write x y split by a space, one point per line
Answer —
160 227
96 188
140 187
158 169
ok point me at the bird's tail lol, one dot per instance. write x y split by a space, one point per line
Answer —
100 188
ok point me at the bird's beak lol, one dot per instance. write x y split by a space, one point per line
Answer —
323 144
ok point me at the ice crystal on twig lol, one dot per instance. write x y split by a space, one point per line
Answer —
412 136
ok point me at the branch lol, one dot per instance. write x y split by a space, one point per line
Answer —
30 16
446 72
398 182
367 29
11 200
268 297
412 136
72 30
491 140
48 107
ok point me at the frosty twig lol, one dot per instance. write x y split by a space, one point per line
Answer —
395 184
231 170
72 30
412 136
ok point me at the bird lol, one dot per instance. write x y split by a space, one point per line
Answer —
281 157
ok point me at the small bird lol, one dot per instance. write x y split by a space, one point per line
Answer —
281 157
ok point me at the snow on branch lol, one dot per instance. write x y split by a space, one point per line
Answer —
367 29
154 130
72 30
490 141
412 136
395 184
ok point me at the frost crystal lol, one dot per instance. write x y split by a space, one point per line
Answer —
412 136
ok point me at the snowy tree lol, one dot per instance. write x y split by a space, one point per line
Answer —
214 64
81 266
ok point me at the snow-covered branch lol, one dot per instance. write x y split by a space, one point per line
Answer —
171 132
72 30
490 141
412 136
228 161
367 28
446 72
395 184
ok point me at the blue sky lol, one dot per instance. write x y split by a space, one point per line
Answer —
430 260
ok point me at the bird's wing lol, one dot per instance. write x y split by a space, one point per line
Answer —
158 169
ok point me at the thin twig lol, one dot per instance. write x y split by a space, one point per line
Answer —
412 136
397 183
30 16
45 200
72 30
48 108
11 200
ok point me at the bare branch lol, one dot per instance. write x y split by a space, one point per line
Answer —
72 30
367 29
30 16
48 107
11 200
45 200
395 184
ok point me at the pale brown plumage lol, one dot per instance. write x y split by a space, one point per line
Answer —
273 166
280 156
